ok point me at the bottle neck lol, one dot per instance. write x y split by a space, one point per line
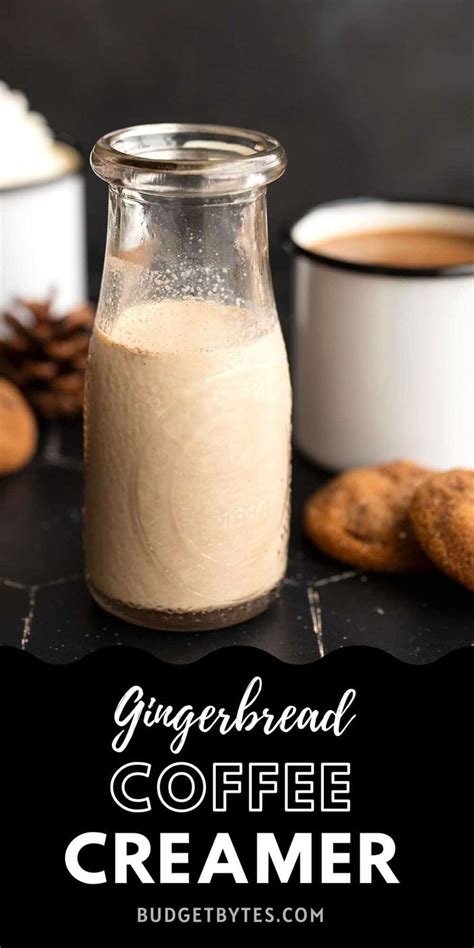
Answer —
214 249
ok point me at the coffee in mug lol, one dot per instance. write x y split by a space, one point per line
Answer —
401 248
383 333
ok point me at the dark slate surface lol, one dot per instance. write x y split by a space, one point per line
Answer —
45 606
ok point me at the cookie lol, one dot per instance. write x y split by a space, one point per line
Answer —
18 429
361 517
442 514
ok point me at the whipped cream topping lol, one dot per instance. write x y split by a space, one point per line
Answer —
29 152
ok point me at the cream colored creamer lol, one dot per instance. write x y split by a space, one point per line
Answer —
187 452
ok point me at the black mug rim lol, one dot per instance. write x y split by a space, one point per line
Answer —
460 270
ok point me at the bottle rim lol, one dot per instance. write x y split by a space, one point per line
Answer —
188 159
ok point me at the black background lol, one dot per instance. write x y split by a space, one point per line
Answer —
368 96
409 752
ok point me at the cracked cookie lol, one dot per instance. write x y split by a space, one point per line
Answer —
361 517
442 515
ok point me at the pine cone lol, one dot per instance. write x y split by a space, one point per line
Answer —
46 356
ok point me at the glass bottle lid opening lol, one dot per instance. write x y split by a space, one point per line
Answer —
177 159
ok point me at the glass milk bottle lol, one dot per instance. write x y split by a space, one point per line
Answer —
187 421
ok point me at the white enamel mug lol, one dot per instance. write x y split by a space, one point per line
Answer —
383 358
42 240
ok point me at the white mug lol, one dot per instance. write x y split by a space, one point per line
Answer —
383 358
42 241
